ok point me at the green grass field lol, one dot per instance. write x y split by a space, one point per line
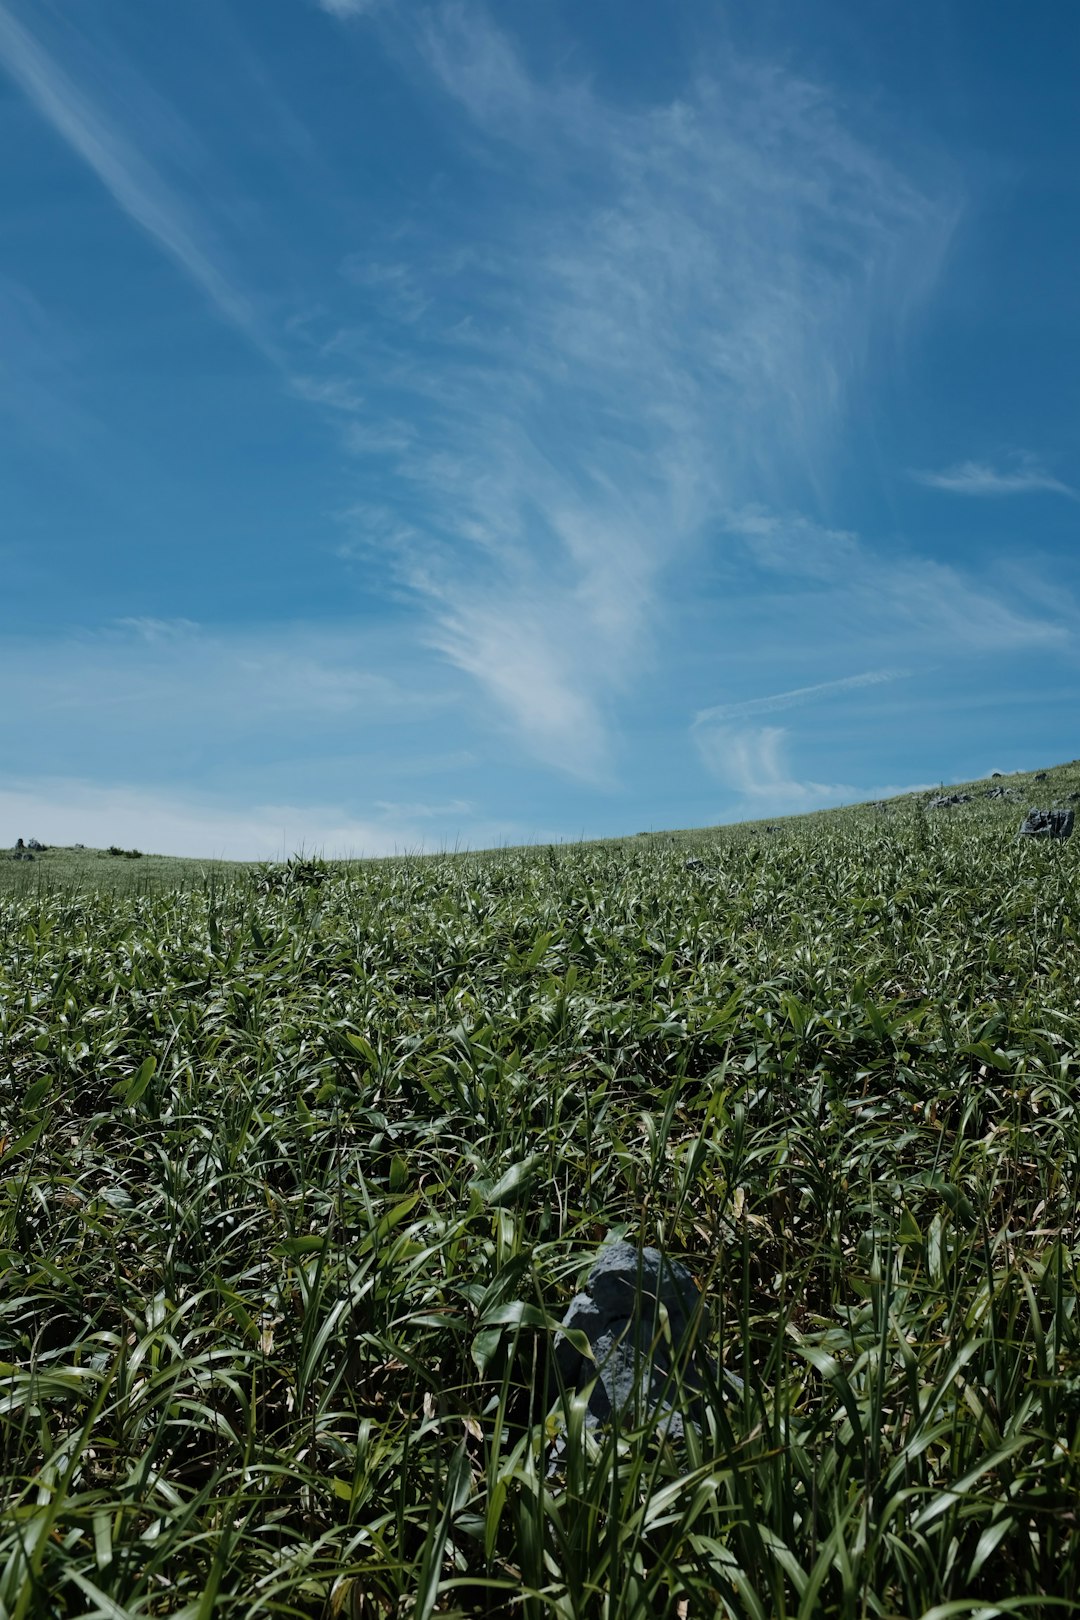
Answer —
297 1178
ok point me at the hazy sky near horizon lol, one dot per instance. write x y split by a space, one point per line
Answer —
446 424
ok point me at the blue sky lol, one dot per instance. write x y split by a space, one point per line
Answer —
434 425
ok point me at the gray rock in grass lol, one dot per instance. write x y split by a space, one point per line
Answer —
945 801
638 1313
32 843
1047 824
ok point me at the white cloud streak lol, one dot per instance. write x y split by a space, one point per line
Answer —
905 606
344 9
779 701
1024 477
131 180
790 543
904 603
752 764
512 648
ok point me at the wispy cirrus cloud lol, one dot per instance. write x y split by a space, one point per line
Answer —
149 629
902 601
132 181
841 593
664 322
752 763
422 811
790 542
1023 475
331 393
514 649
778 701
348 8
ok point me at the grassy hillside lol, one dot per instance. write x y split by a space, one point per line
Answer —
297 1176
122 872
